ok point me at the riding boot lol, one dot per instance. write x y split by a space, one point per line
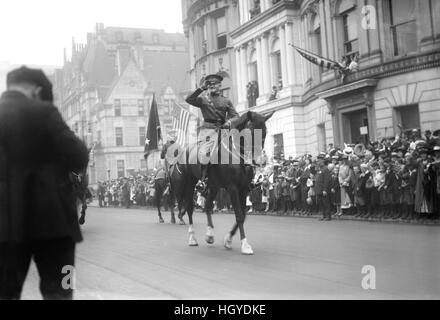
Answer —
202 184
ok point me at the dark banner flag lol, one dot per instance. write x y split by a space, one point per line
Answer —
318 60
153 130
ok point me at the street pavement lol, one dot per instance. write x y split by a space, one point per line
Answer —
127 254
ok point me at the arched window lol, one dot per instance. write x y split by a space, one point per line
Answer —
315 34
253 66
275 56
252 85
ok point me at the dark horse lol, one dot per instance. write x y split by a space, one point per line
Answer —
160 186
235 178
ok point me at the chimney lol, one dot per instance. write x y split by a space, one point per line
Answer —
99 30
118 61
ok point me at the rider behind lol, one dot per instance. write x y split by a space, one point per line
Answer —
218 113
170 140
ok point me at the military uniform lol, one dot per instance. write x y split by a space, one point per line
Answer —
216 110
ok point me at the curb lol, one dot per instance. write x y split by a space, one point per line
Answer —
313 216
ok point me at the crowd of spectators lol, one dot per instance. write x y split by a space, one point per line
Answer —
394 178
126 192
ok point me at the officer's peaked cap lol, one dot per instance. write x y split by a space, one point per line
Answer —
214 78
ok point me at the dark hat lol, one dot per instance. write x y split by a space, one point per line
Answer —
213 78
321 155
33 76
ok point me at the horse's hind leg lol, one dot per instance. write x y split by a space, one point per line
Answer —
158 195
181 213
171 205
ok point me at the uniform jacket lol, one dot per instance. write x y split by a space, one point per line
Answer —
214 108
37 153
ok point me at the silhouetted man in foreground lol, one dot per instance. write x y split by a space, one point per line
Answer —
38 208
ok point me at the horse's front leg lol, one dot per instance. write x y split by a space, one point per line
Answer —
189 207
212 192
238 200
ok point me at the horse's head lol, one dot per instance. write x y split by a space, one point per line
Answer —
256 123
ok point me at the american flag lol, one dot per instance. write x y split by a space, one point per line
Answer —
181 117
316 59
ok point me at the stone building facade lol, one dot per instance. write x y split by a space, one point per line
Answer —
105 90
396 84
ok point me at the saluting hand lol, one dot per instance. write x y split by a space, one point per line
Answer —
204 86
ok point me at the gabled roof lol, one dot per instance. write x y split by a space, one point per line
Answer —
116 79
97 66
166 68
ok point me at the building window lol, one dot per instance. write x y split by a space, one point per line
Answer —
119 136
137 36
278 145
316 45
277 78
256 9
119 36
117 107
204 36
141 107
120 165
142 136
351 43
403 26
155 38
98 136
408 117
221 32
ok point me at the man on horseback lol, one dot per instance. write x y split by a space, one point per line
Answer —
218 113
169 159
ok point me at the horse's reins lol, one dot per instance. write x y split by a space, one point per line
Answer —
241 157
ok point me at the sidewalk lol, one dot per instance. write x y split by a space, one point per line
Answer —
349 217
94 203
